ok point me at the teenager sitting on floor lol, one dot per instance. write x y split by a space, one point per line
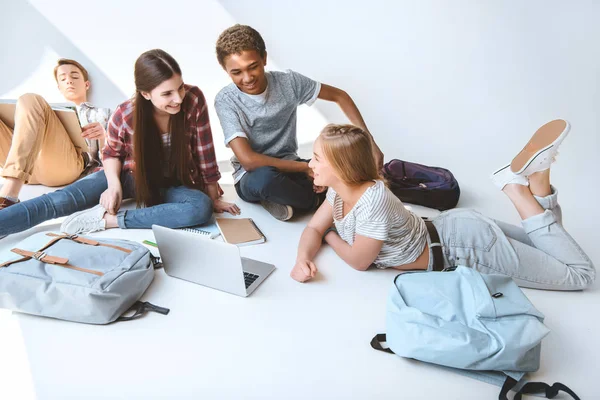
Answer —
39 150
159 151
258 115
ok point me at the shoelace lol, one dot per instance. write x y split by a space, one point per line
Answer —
88 225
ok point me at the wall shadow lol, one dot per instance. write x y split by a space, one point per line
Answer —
26 35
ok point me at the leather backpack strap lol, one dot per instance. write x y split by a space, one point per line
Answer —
55 239
87 241
41 256
46 259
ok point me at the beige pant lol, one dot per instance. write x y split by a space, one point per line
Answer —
39 151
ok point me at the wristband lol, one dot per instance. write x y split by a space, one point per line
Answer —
330 229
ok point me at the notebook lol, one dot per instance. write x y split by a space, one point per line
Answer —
205 231
240 231
66 114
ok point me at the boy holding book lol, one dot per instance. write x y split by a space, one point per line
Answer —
258 116
39 149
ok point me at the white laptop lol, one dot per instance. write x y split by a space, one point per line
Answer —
207 262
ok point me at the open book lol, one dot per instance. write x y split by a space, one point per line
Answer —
240 231
66 114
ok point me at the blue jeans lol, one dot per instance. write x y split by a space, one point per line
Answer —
268 183
182 206
540 254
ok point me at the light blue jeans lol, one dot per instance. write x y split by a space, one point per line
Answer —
182 206
540 255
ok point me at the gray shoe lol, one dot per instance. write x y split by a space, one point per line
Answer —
279 211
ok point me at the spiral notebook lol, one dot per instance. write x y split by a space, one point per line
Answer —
209 232
240 231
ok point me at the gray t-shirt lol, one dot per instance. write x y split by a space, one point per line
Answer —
267 120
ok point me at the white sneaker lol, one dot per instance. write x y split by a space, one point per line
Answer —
281 212
541 150
504 176
86 221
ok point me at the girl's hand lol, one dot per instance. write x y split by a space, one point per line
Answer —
221 206
111 199
303 271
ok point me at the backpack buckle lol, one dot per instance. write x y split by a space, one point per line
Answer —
39 255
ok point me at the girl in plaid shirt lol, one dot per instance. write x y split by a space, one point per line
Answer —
159 150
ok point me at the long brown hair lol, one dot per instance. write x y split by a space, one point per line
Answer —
350 152
151 69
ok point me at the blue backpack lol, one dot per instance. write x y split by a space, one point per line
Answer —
420 184
478 325
77 278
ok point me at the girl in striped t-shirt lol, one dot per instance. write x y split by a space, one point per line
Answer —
372 226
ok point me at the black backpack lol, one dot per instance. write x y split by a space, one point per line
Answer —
419 184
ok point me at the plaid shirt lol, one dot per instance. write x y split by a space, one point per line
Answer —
119 141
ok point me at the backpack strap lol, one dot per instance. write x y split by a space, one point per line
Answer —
25 258
535 388
45 258
41 256
82 240
156 261
377 341
140 308
55 239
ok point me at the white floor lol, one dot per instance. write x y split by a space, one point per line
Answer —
286 341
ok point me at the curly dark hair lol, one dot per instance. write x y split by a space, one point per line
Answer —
238 38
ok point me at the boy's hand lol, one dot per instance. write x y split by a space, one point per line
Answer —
309 172
319 189
93 131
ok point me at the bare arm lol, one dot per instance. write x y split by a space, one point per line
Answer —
112 170
346 104
310 243
252 160
360 255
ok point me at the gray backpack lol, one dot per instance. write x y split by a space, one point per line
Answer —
77 278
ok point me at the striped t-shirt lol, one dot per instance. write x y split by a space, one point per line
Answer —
380 215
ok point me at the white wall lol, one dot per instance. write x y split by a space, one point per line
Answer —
458 84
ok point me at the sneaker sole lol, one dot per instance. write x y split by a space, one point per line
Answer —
546 137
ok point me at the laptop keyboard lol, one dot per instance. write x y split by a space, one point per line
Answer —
249 279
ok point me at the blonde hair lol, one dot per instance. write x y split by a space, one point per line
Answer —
349 150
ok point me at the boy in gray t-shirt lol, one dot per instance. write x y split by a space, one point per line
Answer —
258 116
